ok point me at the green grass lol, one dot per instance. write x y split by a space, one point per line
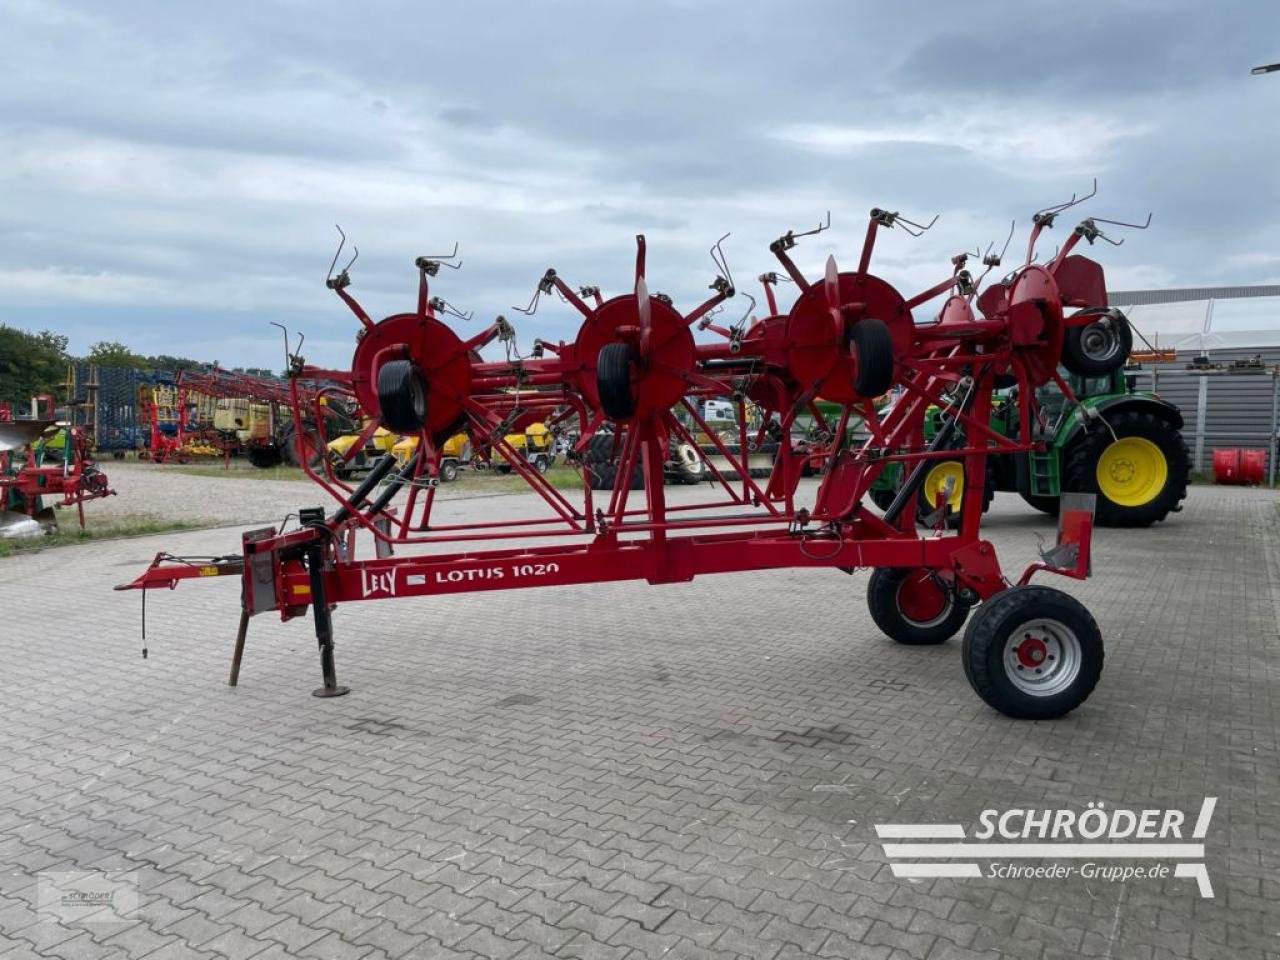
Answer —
110 529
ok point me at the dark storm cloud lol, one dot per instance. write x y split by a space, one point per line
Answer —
173 172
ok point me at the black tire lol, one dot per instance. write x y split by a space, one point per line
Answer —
1047 505
1000 659
882 497
601 467
1080 467
1098 348
264 458
874 349
614 367
402 396
540 464
690 469
885 598
449 471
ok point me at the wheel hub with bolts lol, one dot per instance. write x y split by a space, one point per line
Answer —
1099 340
1042 657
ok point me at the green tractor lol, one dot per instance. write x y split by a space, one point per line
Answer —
1119 443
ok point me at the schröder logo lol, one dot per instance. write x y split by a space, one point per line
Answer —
1094 843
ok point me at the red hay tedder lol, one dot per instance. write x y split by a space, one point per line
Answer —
634 372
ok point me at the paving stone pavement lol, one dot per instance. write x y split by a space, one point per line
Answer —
623 771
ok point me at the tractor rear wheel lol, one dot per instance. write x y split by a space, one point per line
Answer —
601 466
1033 653
614 367
935 480
1098 348
1137 464
1047 505
912 607
882 497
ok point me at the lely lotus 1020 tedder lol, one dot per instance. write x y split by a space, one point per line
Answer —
634 372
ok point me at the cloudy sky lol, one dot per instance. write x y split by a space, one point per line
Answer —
171 173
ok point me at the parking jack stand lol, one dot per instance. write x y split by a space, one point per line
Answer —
238 654
324 626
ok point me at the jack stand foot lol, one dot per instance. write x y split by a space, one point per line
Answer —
330 691
238 654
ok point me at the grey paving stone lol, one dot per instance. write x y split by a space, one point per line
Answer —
583 780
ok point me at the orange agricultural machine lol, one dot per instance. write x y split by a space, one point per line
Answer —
633 372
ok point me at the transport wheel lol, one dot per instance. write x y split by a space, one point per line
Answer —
402 396
1047 505
912 607
1097 348
448 471
873 346
614 368
1033 653
540 464
935 481
1139 468
689 466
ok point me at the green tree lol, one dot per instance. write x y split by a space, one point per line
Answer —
31 363
110 353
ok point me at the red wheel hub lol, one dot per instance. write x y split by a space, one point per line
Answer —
1032 652
920 598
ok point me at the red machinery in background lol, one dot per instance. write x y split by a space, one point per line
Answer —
35 466
633 371
253 415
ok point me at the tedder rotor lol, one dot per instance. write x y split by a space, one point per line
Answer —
634 374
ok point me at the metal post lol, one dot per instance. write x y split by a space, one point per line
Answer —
1275 426
1202 408
324 625
238 654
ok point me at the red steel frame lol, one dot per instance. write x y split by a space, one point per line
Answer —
783 363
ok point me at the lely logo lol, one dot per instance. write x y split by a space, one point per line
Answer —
1097 843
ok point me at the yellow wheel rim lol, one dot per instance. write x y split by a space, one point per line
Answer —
1132 471
936 480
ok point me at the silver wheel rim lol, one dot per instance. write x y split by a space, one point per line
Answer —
1099 342
1042 657
942 615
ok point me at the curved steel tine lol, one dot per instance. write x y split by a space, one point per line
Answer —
342 242
444 259
746 314
354 257
822 225
913 228
721 262
1121 223
532 307
1054 209
1005 248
